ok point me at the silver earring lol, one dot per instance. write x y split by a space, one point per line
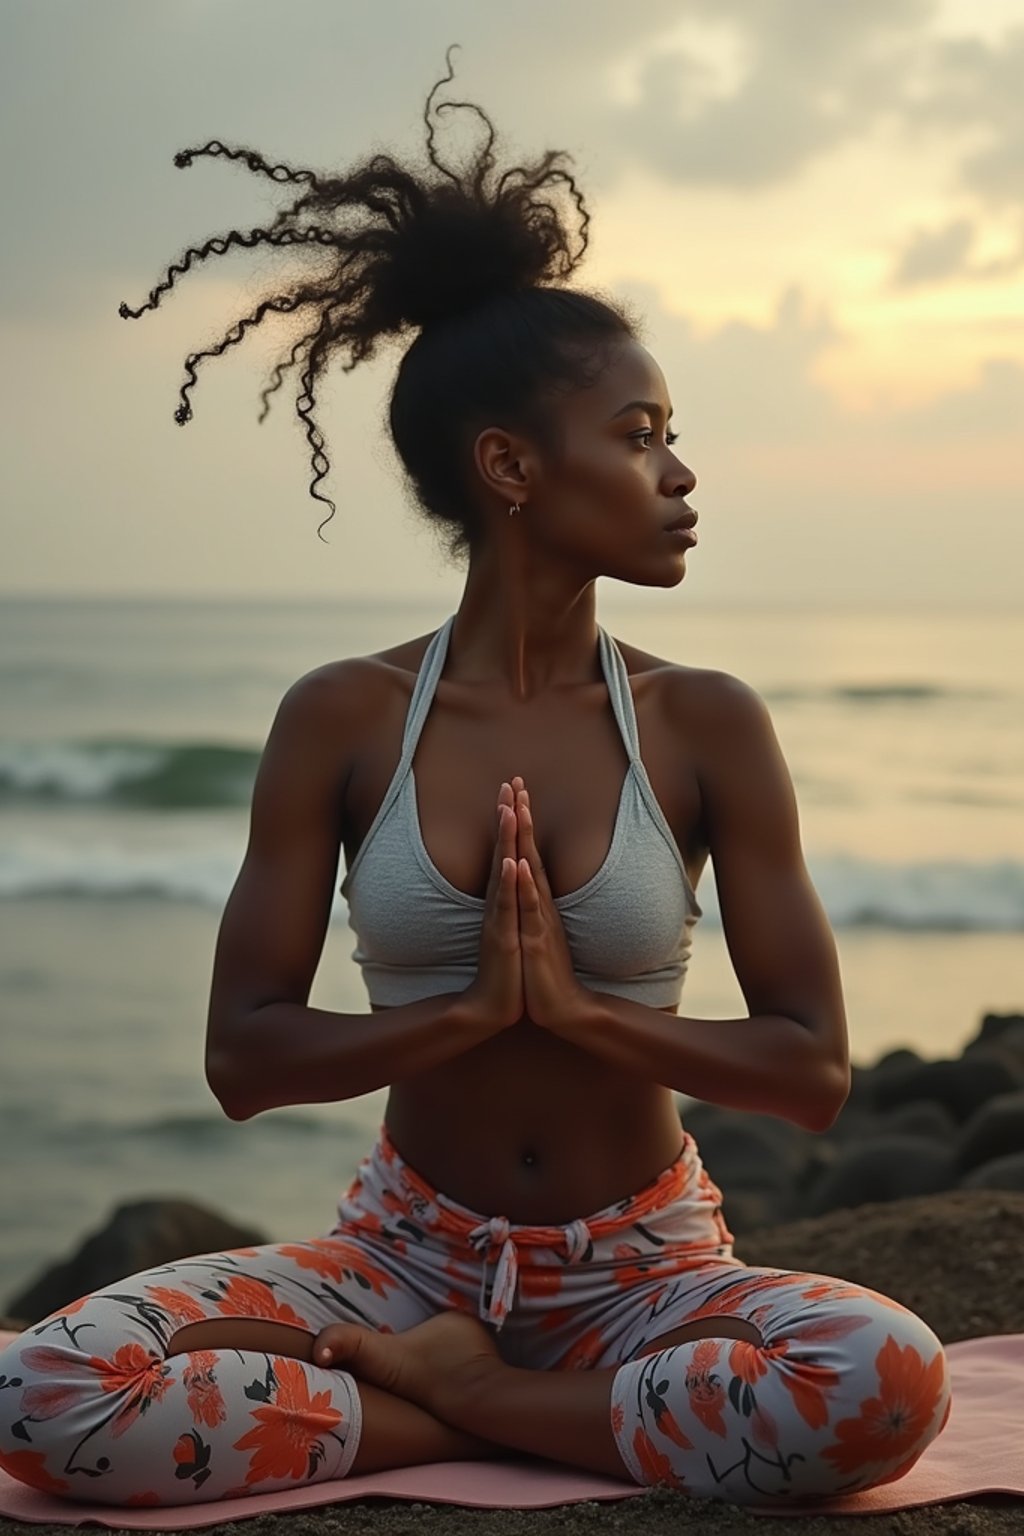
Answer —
515 507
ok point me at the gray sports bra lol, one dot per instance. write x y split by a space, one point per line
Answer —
629 926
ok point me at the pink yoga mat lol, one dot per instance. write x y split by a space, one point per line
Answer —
981 1450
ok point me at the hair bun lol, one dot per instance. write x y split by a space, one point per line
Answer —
454 254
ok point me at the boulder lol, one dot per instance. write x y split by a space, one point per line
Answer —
889 1167
856 1122
961 1086
1005 1027
953 1258
1000 1173
921 1117
898 1060
1001 1035
137 1236
995 1130
751 1210
751 1154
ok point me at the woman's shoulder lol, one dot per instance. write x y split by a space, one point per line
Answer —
352 688
707 689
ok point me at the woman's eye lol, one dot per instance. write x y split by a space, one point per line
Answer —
670 437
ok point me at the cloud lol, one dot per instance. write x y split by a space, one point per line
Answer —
815 76
934 254
971 84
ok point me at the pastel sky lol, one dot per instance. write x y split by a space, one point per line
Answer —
818 206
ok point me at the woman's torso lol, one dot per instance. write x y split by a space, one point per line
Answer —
565 1131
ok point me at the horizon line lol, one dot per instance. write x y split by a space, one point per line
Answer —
425 599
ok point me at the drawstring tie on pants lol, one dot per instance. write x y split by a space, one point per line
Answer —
496 1233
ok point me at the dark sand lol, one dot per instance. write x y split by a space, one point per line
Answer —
956 1258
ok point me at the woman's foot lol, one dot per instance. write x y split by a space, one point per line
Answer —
428 1365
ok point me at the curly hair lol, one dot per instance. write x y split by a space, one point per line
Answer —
477 267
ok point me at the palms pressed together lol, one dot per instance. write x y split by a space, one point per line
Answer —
449 1351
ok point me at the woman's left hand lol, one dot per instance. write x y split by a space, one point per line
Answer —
553 997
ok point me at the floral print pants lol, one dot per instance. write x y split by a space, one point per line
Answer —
847 1390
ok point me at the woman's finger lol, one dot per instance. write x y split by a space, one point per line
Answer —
528 847
530 915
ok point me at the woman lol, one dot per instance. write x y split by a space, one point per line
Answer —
532 1257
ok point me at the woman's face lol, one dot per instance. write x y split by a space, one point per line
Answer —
602 508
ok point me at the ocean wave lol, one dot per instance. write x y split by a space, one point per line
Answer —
127 772
171 1135
939 895
875 693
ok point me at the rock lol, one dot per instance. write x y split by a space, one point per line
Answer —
1000 1173
961 1086
855 1122
995 1130
953 1258
751 1154
863 1079
136 1237
1001 1035
922 1117
889 1167
898 1060
995 1026
751 1210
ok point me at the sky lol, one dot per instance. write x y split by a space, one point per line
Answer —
817 206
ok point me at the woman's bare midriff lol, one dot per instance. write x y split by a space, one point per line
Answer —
526 1125
531 1127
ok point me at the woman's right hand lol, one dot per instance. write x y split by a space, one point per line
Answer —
496 993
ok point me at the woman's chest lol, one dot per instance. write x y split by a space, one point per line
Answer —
572 756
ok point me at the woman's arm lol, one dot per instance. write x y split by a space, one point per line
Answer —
790 1057
264 1046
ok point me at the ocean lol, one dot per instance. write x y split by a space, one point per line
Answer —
131 730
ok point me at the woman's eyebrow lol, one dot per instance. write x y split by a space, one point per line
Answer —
650 406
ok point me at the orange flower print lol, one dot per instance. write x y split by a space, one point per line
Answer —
248 1297
731 1297
655 1466
143 1500
191 1458
370 1224
554 1318
202 1391
617 1417
141 1376
30 1467
844 1290
540 1279
891 1424
179 1307
750 1361
68 1311
331 1258
645 1265
668 1425
826 1328
49 1398
707 1394
285 1441
807 1385
764 1429
368 1221
584 1354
